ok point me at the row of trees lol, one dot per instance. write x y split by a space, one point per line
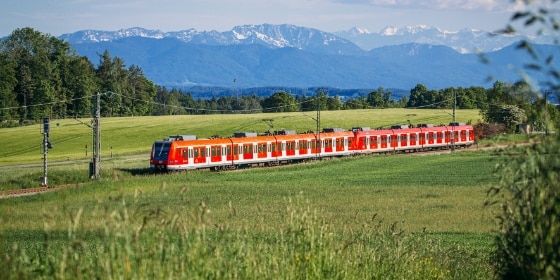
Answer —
42 76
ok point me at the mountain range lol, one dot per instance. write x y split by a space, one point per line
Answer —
293 56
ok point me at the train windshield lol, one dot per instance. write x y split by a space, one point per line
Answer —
161 150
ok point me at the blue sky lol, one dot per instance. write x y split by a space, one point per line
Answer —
57 17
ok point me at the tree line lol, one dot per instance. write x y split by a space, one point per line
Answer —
42 76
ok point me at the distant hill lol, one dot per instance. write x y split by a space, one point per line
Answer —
290 56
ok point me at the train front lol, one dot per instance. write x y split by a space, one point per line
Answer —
159 158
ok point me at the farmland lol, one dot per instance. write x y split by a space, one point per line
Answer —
382 216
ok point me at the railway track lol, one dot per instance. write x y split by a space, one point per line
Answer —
31 191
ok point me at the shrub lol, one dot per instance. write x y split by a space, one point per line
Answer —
529 195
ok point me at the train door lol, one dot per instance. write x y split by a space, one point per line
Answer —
262 151
413 139
190 155
199 155
394 141
229 153
275 149
315 146
339 145
439 137
328 145
216 153
290 148
431 138
184 156
404 140
384 141
374 142
248 151
447 136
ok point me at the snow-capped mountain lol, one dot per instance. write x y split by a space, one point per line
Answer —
288 55
464 41
274 36
352 41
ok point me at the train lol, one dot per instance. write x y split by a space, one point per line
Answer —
249 149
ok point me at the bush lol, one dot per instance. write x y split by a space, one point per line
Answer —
485 130
529 194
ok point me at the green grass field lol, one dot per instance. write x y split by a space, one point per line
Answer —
72 140
382 217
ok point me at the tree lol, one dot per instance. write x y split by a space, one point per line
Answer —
114 80
418 96
375 98
37 61
333 103
8 83
508 115
280 102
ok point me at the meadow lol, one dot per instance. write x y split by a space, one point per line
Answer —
379 217
72 139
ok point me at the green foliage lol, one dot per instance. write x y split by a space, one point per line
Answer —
280 102
508 115
529 193
529 188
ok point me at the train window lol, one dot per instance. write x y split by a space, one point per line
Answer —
185 154
196 152
228 150
203 152
413 137
273 147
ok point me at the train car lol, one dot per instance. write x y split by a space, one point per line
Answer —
373 141
296 146
335 142
463 135
184 153
250 149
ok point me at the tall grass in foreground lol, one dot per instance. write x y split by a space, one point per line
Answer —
139 240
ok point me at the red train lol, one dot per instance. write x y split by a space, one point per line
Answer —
184 152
